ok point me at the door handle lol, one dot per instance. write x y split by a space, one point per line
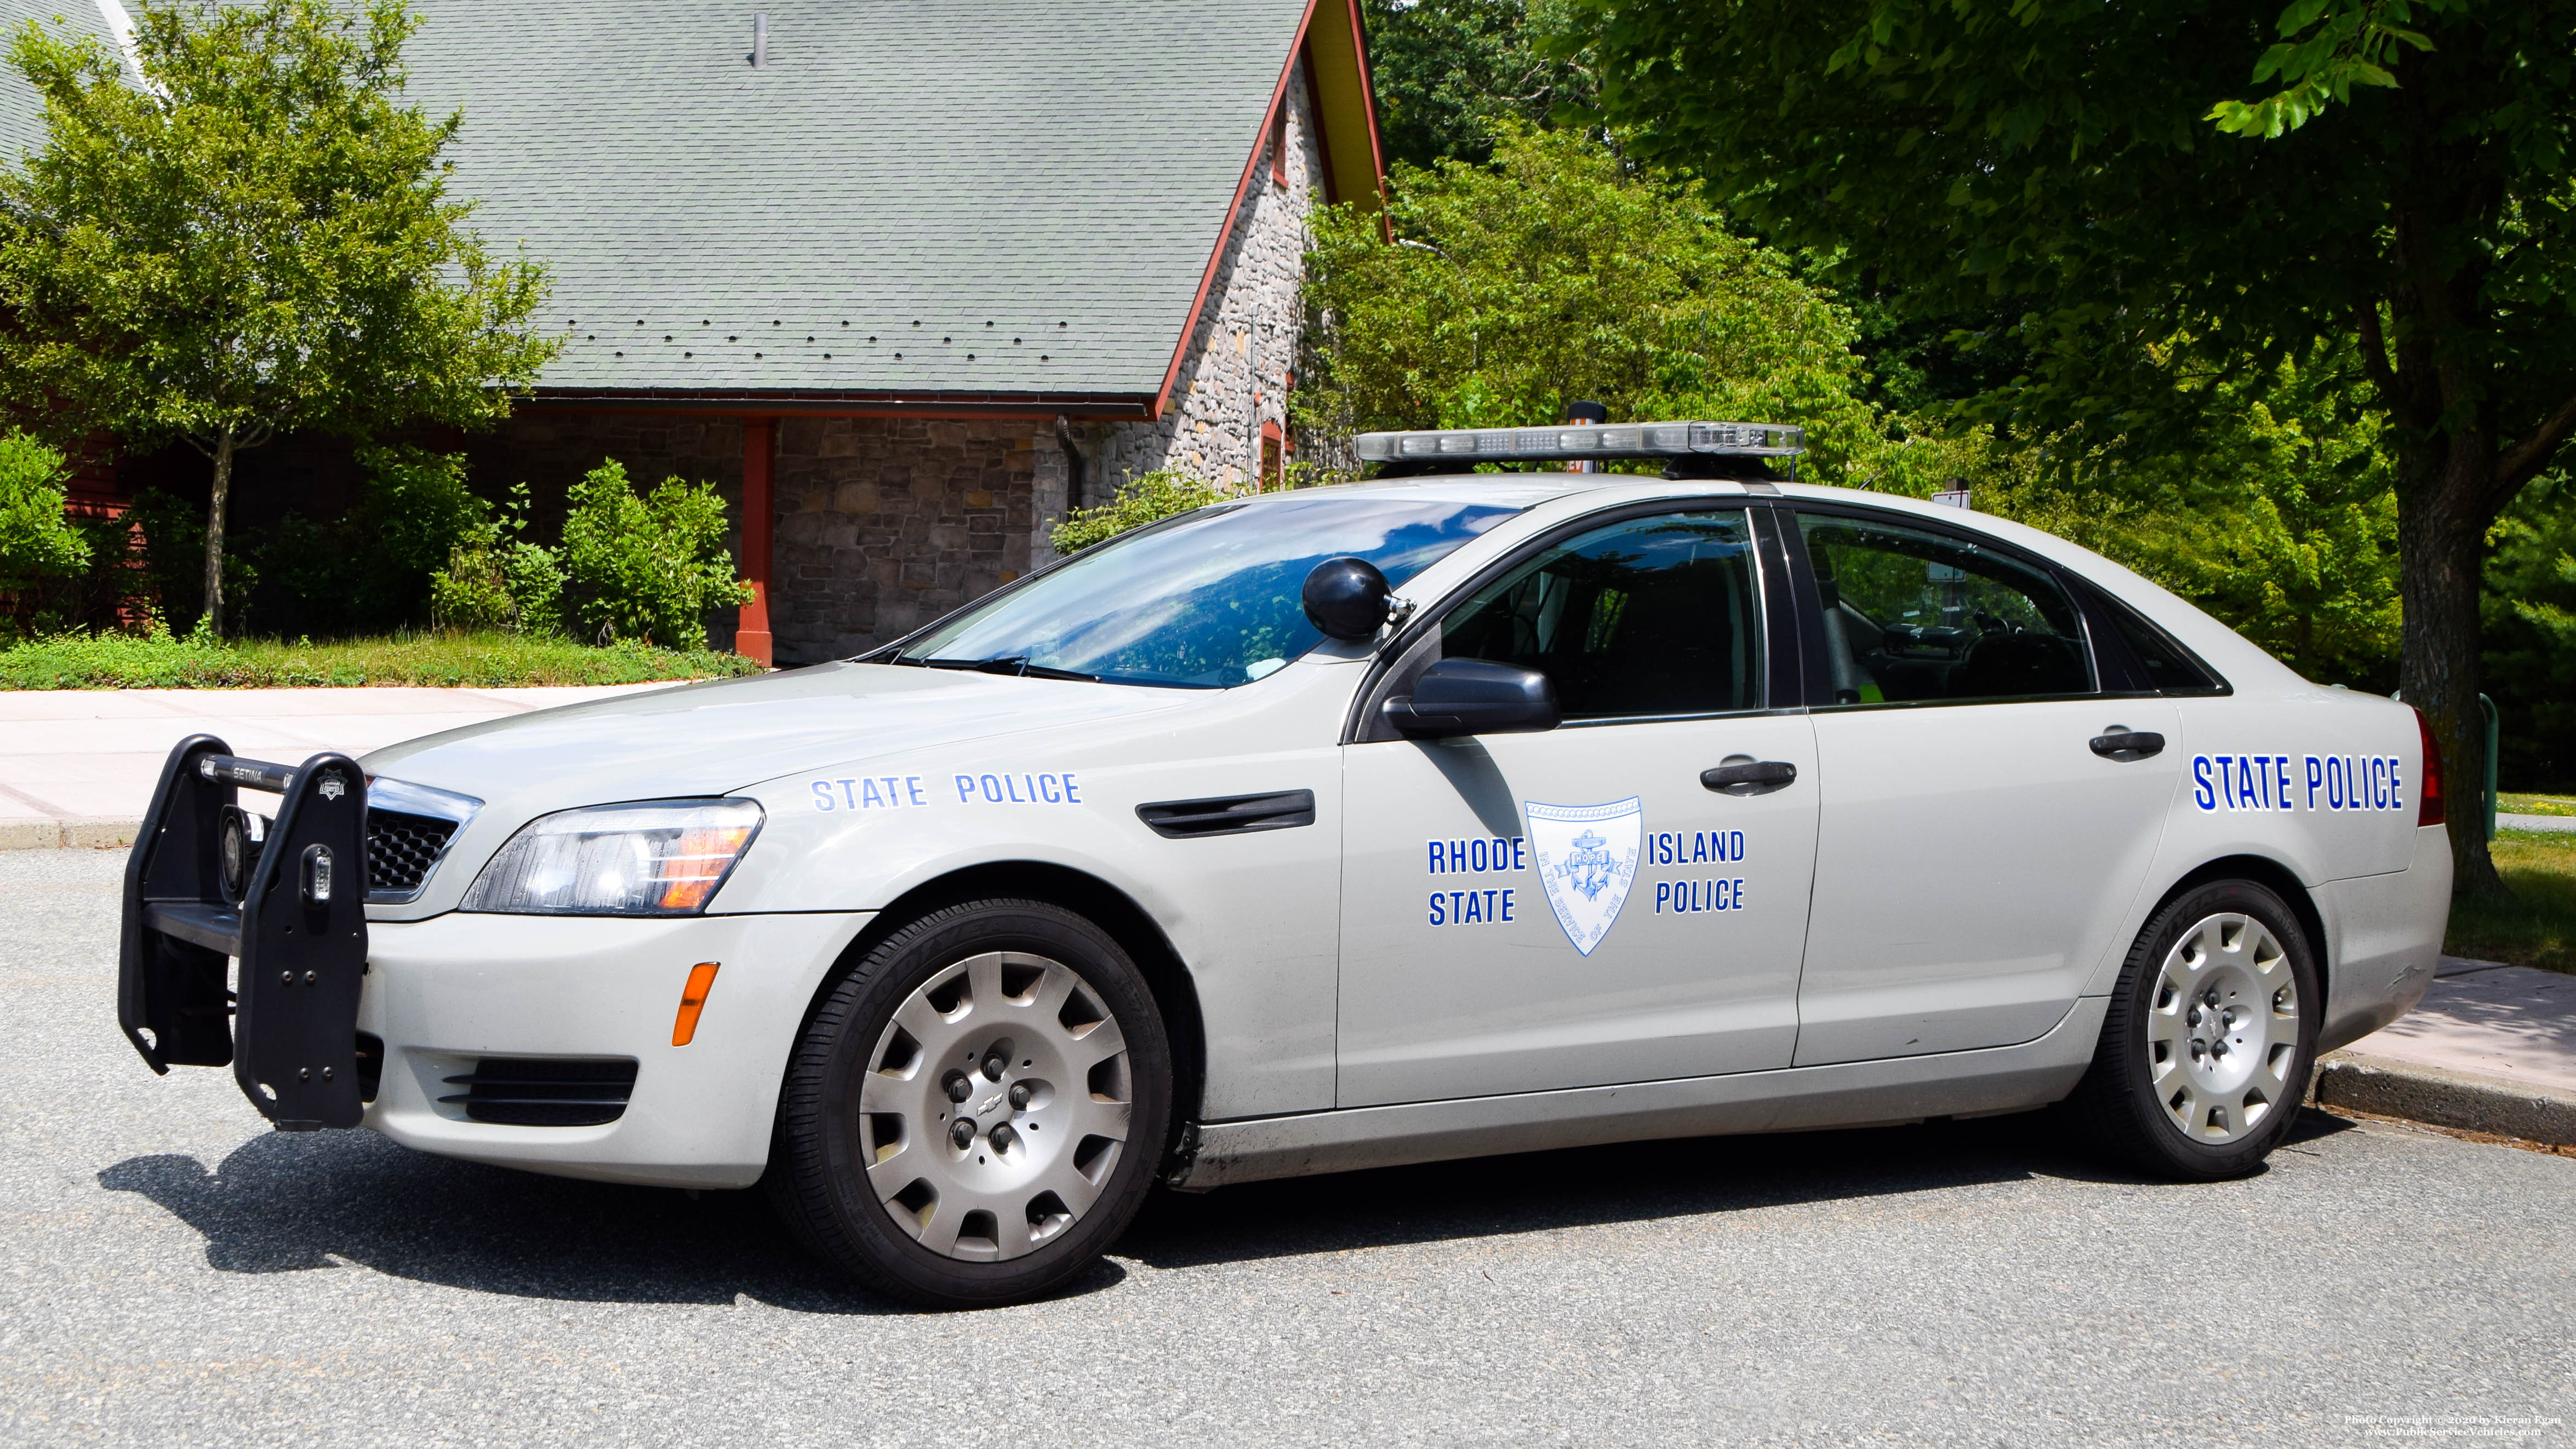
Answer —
2128 744
1750 778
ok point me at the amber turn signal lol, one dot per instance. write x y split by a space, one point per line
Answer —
693 999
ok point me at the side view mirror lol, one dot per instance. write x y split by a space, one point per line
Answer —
1346 598
1474 697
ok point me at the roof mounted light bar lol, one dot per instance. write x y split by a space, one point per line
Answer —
1467 447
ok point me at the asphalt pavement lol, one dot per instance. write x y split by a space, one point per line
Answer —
171 1273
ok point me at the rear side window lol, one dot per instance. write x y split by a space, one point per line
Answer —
1912 616
2170 668
1649 617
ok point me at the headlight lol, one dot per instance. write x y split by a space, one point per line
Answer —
652 858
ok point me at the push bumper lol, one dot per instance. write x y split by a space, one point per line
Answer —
446 994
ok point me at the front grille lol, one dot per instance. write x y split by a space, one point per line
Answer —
401 848
542 1092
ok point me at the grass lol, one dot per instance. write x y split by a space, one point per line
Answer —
2538 926
2514 804
489 661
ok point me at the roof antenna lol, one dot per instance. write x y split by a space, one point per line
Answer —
759 40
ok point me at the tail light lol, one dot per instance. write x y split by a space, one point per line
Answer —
2430 791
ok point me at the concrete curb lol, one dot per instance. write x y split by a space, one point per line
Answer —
2443 1098
68 834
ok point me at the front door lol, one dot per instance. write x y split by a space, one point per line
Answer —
1977 857
1523 912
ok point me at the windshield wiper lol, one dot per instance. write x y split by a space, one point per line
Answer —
1012 664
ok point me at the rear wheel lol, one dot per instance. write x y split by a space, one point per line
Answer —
2204 1054
975 1113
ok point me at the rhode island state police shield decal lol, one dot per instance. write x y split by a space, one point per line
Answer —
1587 855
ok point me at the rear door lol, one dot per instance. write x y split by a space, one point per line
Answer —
1523 912
1977 852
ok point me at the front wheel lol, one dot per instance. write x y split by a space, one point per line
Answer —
2204 1054
977 1110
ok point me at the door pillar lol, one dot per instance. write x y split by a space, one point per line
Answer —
759 508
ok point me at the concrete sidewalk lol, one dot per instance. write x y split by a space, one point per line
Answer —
2492 1049
2506 820
77 766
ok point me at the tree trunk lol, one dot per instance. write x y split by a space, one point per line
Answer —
2442 525
215 502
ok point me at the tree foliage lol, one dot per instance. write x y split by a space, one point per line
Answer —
2163 247
1559 274
253 235
1450 75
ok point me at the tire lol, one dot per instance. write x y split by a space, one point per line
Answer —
2204 1055
977 1109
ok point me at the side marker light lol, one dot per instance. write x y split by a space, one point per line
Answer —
693 999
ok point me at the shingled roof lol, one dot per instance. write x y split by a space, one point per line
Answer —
957 197
908 201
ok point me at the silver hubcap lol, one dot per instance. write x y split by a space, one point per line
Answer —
995 1106
2223 1029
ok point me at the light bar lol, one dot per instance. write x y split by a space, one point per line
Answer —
1470 446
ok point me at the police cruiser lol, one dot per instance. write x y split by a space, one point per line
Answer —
1445 814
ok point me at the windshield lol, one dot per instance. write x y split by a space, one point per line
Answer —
1207 600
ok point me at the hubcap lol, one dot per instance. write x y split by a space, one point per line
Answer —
995 1106
2222 1029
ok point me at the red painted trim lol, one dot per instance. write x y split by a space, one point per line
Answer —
759 513
1233 214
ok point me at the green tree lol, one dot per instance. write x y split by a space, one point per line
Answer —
1449 74
1556 275
2081 161
2282 521
2530 628
648 568
253 236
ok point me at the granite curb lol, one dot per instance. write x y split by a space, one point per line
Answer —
68 834
2439 1097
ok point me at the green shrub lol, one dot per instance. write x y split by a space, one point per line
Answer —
648 568
1140 501
36 542
496 579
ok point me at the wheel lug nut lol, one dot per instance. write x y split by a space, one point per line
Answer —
1020 1095
993 1066
1003 1137
959 1087
963 1134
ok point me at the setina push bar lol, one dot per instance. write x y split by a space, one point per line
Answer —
209 884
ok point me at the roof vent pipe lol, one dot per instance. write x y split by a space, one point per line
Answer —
759 41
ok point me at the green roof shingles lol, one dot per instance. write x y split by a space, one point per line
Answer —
1037 186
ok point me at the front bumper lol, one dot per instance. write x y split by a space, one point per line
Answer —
446 992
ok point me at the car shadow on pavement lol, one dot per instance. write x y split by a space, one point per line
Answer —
1629 1182
284 1202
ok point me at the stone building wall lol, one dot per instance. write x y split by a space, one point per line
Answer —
884 524
1247 334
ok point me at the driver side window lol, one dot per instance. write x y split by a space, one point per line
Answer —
1915 616
1644 618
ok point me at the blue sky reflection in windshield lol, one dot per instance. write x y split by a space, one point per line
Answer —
1208 600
